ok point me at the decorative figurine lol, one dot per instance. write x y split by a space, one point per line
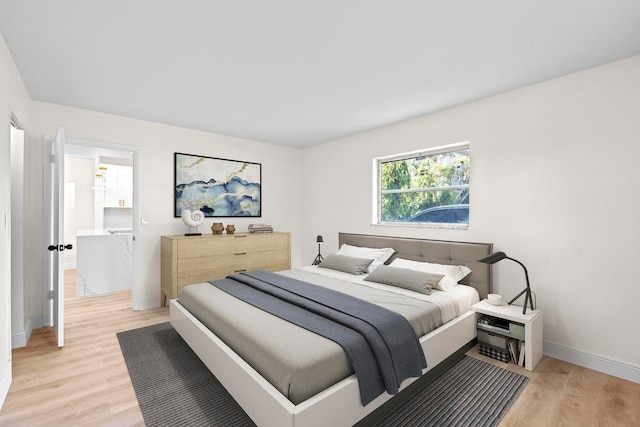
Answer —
192 220
217 228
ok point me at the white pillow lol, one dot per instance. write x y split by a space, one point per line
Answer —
379 255
452 273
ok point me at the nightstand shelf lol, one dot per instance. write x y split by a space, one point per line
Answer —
532 322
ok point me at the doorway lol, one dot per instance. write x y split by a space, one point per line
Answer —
100 211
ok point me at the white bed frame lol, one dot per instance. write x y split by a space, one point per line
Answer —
339 405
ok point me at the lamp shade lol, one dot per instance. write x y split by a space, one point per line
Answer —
319 239
493 258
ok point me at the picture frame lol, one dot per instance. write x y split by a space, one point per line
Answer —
217 187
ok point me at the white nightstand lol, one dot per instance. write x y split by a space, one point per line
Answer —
532 322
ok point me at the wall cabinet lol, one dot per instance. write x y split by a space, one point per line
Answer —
118 186
193 259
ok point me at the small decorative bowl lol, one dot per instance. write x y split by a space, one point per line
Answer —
494 299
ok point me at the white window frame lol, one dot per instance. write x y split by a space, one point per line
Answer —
377 185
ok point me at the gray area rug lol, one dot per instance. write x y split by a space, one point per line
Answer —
174 388
471 393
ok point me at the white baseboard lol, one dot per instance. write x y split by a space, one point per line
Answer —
149 303
18 340
5 383
21 339
37 322
597 363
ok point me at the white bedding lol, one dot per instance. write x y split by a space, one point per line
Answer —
452 303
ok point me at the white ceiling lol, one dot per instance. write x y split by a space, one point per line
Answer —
299 72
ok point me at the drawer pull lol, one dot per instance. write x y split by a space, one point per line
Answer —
240 236
240 271
241 253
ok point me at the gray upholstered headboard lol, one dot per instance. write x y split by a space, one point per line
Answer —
439 251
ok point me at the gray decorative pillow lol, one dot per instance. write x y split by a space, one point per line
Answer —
345 263
417 281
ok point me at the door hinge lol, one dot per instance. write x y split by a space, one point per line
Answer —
51 293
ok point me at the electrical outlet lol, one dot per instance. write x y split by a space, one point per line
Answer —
144 221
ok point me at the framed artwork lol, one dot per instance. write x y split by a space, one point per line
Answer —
217 187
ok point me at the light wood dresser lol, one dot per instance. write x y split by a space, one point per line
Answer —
193 259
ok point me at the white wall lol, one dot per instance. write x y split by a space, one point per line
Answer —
13 97
281 180
554 184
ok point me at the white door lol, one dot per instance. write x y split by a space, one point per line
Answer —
54 214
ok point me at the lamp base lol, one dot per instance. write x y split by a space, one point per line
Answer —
527 299
318 260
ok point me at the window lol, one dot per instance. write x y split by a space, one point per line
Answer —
424 187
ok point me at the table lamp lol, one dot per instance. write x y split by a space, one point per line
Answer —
498 256
319 258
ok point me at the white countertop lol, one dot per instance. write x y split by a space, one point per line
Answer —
102 232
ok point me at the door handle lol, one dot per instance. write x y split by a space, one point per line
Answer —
60 247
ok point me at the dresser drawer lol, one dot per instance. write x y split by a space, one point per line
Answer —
186 260
225 244
203 269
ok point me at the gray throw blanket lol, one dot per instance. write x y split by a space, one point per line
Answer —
380 344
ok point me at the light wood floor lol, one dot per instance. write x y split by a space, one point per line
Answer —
87 383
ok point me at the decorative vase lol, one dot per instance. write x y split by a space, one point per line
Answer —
231 229
217 228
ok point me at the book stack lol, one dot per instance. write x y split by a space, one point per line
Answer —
516 349
260 228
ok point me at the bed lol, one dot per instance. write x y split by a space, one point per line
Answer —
338 402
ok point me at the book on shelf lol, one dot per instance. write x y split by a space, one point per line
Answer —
521 351
513 348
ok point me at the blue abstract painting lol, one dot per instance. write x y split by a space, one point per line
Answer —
217 187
